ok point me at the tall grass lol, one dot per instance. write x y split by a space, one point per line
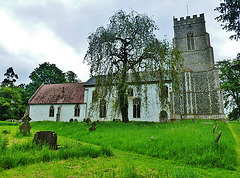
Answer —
29 153
185 141
9 123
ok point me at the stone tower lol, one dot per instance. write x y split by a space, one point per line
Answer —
200 95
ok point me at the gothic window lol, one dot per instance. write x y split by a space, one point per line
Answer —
136 108
190 41
103 108
77 110
51 111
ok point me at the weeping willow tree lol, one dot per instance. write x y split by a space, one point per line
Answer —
127 53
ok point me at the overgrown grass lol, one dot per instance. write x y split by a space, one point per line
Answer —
183 142
29 153
8 123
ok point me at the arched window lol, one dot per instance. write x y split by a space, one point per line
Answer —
190 41
51 111
103 108
77 110
136 108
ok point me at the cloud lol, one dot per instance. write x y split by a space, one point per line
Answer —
56 31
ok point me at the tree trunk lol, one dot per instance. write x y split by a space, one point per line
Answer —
122 96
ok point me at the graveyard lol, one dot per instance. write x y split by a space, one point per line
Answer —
116 149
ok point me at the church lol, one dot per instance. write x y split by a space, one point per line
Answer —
199 97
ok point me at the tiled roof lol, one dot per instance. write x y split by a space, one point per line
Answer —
65 93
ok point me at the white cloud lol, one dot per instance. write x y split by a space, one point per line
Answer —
41 42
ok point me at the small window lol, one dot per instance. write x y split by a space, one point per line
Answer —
103 108
77 110
51 111
136 108
190 41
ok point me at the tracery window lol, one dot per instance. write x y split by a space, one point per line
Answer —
77 110
136 108
51 111
190 41
103 108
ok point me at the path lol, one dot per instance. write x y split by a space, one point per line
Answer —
235 129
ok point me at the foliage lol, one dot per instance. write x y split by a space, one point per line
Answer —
11 104
183 142
46 73
3 144
11 77
230 16
127 53
71 77
230 84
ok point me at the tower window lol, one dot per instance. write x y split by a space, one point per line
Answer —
190 41
136 108
77 110
51 111
103 108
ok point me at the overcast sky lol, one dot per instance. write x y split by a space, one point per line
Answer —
56 31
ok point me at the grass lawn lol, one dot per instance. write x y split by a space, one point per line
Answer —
116 149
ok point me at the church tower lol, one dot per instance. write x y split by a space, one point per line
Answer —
200 95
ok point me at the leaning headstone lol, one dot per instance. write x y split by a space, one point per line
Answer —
87 120
25 127
46 137
218 136
214 128
93 127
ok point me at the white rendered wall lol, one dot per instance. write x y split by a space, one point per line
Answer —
41 112
149 113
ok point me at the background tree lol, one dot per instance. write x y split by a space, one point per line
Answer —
128 52
11 104
230 84
11 77
71 77
230 16
46 73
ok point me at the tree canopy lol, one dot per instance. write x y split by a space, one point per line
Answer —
46 73
72 77
11 77
11 104
126 53
230 84
230 16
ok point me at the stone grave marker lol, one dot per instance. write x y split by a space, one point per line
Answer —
93 127
25 127
46 137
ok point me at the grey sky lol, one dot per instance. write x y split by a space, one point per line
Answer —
56 31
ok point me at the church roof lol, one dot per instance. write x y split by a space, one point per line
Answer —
65 93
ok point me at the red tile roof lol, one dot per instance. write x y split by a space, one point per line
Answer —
64 93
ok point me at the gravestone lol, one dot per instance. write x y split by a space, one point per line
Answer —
87 120
46 137
25 127
93 127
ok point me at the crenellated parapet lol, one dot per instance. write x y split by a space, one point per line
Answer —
188 20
